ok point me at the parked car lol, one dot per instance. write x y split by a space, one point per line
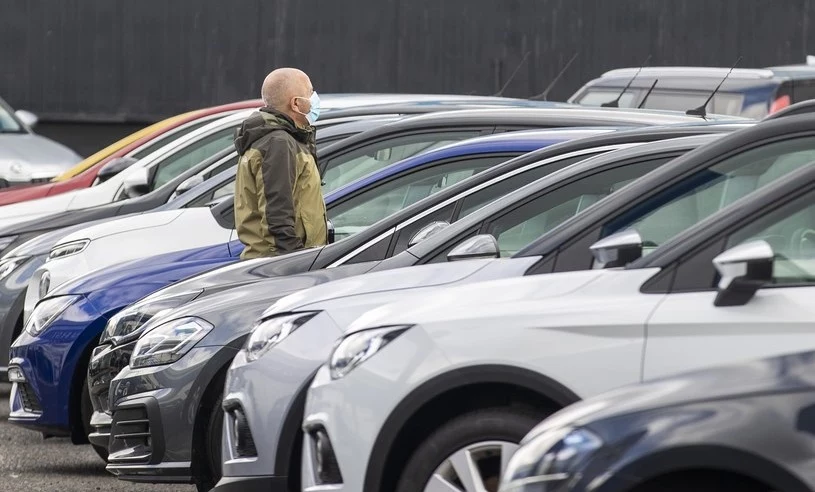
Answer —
118 156
753 93
340 164
467 370
26 157
232 312
99 296
703 430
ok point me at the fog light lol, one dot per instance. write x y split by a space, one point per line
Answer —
15 375
328 469
45 284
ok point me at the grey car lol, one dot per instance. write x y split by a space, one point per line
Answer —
154 393
26 157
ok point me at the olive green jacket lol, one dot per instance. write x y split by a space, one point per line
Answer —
279 205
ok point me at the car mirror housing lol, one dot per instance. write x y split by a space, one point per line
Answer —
28 118
743 269
188 184
477 247
137 183
114 167
427 231
331 233
617 250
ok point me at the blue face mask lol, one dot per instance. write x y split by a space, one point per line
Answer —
314 112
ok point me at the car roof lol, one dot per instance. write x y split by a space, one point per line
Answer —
593 163
658 179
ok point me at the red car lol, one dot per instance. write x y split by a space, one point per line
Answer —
114 162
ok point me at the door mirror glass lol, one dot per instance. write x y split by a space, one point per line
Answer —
743 269
477 247
187 185
137 183
617 250
114 167
330 228
427 231
28 118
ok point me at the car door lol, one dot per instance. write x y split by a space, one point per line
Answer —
373 155
687 331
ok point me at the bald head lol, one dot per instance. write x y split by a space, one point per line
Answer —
282 86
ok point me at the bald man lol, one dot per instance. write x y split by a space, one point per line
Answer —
279 205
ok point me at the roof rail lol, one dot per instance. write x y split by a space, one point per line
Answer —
717 72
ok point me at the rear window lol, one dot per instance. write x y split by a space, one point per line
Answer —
671 100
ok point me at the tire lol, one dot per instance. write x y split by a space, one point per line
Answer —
86 413
508 425
210 460
701 482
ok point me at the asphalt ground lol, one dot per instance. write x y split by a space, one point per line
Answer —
30 463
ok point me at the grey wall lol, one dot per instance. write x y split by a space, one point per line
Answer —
139 60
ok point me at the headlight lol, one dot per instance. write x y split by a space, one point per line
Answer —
8 265
6 241
44 284
45 312
68 249
128 323
270 332
549 459
168 342
356 348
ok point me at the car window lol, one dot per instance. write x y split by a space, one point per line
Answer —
351 166
378 202
223 190
191 155
7 122
526 223
598 97
791 233
162 140
489 194
698 196
722 103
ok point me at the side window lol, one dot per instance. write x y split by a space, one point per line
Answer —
378 202
478 199
526 223
184 159
791 233
168 137
353 165
225 189
377 251
404 235
698 196
223 166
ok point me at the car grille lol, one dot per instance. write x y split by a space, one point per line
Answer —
131 430
28 398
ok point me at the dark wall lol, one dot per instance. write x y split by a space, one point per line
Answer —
103 60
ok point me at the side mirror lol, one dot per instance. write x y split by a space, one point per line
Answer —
617 250
187 185
28 118
427 231
330 229
743 270
477 247
114 167
137 183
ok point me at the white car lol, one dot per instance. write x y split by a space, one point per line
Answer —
465 372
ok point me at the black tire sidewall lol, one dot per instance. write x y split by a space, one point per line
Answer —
494 424
211 458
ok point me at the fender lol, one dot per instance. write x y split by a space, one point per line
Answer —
714 457
441 384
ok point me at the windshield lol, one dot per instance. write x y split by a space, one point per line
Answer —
8 123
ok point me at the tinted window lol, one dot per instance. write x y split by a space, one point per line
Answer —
722 103
495 191
598 97
380 201
225 189
192 154
526 223
791 233
349 167
685 203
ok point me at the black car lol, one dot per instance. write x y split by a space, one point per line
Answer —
740 427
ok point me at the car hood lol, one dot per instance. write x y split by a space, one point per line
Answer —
43 243
388 280
787 373
134 223
450 303
35 149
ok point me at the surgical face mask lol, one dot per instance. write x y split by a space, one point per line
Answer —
314 112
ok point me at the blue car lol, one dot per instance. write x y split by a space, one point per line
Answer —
48 362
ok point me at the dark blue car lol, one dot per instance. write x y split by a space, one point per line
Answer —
49 360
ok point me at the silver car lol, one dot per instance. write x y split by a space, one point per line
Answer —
26 157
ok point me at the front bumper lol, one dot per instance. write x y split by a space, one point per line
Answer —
266 398
252 484
154 416
12 295
106 362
